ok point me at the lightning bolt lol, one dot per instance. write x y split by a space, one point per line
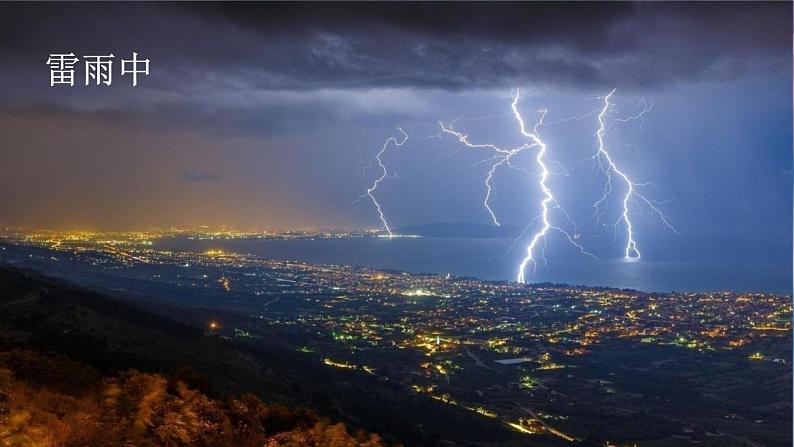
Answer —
384 173
608 167
548 196
501 157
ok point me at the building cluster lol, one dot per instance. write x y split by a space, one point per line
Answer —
494 348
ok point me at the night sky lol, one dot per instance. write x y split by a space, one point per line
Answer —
265 116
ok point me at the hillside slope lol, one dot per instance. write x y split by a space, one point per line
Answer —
49 318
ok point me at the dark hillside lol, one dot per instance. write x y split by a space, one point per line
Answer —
48 319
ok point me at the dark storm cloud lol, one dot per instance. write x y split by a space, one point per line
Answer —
454 45
302 46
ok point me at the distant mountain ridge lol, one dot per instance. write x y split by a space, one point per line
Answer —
462 230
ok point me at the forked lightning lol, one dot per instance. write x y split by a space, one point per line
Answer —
384 173
505 157
548 196
501 157
608 166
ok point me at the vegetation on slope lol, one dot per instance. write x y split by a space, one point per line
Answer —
53 401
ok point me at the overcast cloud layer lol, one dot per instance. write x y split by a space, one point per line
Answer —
447 46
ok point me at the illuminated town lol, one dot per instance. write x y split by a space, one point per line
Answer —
536 358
